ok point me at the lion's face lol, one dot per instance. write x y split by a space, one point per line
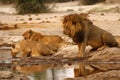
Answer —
75 23
71 24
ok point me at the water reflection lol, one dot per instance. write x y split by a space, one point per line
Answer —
39 75
62 73
80 71
46 72
37 72
52 72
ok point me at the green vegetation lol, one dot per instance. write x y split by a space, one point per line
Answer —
7 1
34 6
39 6
31 6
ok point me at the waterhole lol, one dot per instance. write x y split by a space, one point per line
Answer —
35 71
51 68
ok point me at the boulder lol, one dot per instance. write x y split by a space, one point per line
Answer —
109 75
106 59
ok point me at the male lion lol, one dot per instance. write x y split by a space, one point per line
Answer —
83 32
30 48
52 41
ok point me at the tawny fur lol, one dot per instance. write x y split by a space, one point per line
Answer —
84 32
31 48
53 41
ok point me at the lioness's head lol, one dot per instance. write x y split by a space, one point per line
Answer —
74 23
32 35
15 49
28 34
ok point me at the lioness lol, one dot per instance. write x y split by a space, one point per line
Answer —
84 32
30 48
53 41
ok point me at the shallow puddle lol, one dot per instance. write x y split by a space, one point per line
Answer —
51 74
35 72
48 68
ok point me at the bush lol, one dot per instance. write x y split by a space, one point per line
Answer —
90 2
31 6
7 1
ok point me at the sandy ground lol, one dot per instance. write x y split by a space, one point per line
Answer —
51 23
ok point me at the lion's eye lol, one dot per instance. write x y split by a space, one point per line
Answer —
74 23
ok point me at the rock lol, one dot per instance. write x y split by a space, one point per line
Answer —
8 26
9 40
20 77
109 75
106 59
112 1
68 51
8 75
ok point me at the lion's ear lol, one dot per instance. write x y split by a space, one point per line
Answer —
30 31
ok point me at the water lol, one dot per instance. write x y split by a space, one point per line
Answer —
53 74
37 72
51 71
